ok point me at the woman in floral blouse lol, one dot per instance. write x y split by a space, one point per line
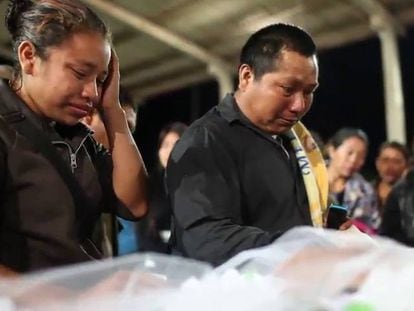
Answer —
347 151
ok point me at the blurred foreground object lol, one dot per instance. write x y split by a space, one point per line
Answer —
305 269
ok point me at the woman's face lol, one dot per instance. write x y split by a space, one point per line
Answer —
67 83
349 157
166 147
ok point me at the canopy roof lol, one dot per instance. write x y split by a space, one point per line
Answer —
168 44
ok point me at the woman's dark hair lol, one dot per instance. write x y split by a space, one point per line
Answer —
347 132
47 23
396 146
175 127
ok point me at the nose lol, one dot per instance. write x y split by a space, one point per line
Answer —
354 159
298 103
90 91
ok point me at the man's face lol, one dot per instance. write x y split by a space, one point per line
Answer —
280 98
391 165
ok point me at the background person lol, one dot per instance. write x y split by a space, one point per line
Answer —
116 235
391 165
347 150
155 229
398 217
6 72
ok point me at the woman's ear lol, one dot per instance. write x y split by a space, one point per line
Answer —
27 56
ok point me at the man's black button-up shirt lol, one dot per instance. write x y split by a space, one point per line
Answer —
231 187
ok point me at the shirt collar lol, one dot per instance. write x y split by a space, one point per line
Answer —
230 111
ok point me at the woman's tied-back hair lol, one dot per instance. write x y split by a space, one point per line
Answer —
263 48
347 132
47 23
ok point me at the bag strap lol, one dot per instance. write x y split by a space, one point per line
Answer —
25 127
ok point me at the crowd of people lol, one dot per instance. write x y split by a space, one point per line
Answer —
74 186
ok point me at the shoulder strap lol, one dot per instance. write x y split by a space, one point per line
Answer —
22 124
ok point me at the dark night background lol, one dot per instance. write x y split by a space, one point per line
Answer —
350 94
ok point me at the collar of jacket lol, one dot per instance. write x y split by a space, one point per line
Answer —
229 110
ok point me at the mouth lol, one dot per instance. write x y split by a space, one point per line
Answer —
391 174
81 110
289 121
350 170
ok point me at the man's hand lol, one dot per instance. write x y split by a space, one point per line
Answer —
346 225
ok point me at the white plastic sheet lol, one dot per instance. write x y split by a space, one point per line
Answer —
100 285
305 269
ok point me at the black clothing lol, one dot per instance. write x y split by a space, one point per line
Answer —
340 197
39 223
158 218
375 185
231 187
398 218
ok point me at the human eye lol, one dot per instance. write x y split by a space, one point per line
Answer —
79 74
384 159
350 152
287 90
100 81
101 78
309 92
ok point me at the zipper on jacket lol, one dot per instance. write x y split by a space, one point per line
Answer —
72 154
73 163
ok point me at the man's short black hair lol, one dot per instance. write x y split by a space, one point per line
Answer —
262 49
